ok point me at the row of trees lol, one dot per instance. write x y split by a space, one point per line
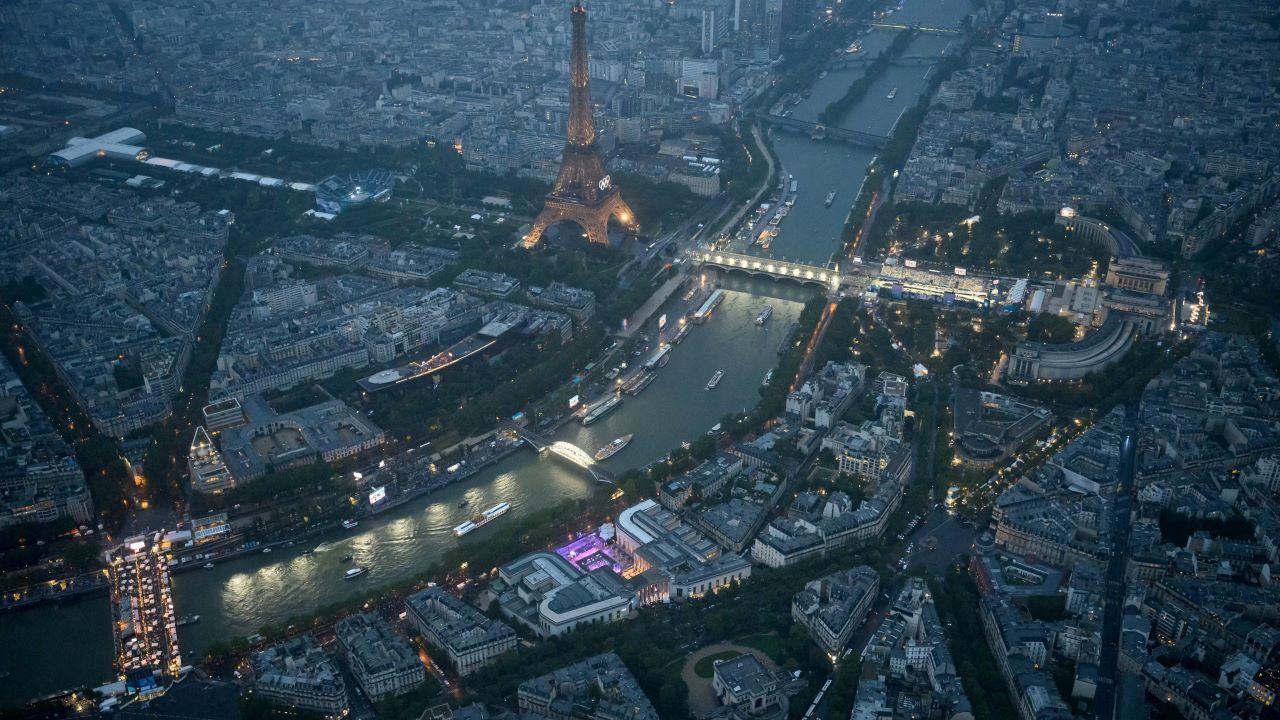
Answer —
474 396
893 156
275 486
835 111
957 601
260 214
104 469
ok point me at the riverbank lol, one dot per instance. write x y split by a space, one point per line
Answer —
413 542
891 159
836 110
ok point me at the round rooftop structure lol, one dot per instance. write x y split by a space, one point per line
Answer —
384 377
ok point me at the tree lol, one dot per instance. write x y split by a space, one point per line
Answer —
1049 328
673 698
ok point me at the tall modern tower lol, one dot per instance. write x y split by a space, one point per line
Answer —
583 192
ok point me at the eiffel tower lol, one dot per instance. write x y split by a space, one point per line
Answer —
584 192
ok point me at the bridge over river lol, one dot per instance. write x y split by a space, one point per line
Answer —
567 451
832 278
852 137
900 61
917 27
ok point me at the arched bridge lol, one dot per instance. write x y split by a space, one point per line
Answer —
853 137
828 277
567 451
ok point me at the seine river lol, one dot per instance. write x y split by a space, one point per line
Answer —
54 647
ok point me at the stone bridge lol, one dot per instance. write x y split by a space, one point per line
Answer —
828 278
852 137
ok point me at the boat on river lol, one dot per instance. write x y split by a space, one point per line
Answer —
892 94
831 197
639 382
715 380
482 519
354 572
187 620
658 357
764 315
613 448
349 524
601 409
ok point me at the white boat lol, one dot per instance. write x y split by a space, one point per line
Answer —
767 377
601 409
639 383
208 566
612 448
892 94
715 379
354 572
764 315
349 524
713 300
188 620
831 196
658 356
266 550
482 519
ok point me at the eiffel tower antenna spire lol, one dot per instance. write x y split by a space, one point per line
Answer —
583 192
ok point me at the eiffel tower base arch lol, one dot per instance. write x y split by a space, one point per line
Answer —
594 219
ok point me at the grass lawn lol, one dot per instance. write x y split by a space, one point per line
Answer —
704 668
768 643
1237 319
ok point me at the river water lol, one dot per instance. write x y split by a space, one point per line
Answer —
811 232
51 648
64 646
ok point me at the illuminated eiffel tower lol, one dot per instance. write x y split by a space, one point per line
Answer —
583 192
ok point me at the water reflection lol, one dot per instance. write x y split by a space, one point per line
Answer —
405 541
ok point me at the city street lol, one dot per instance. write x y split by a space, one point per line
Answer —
1115 590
